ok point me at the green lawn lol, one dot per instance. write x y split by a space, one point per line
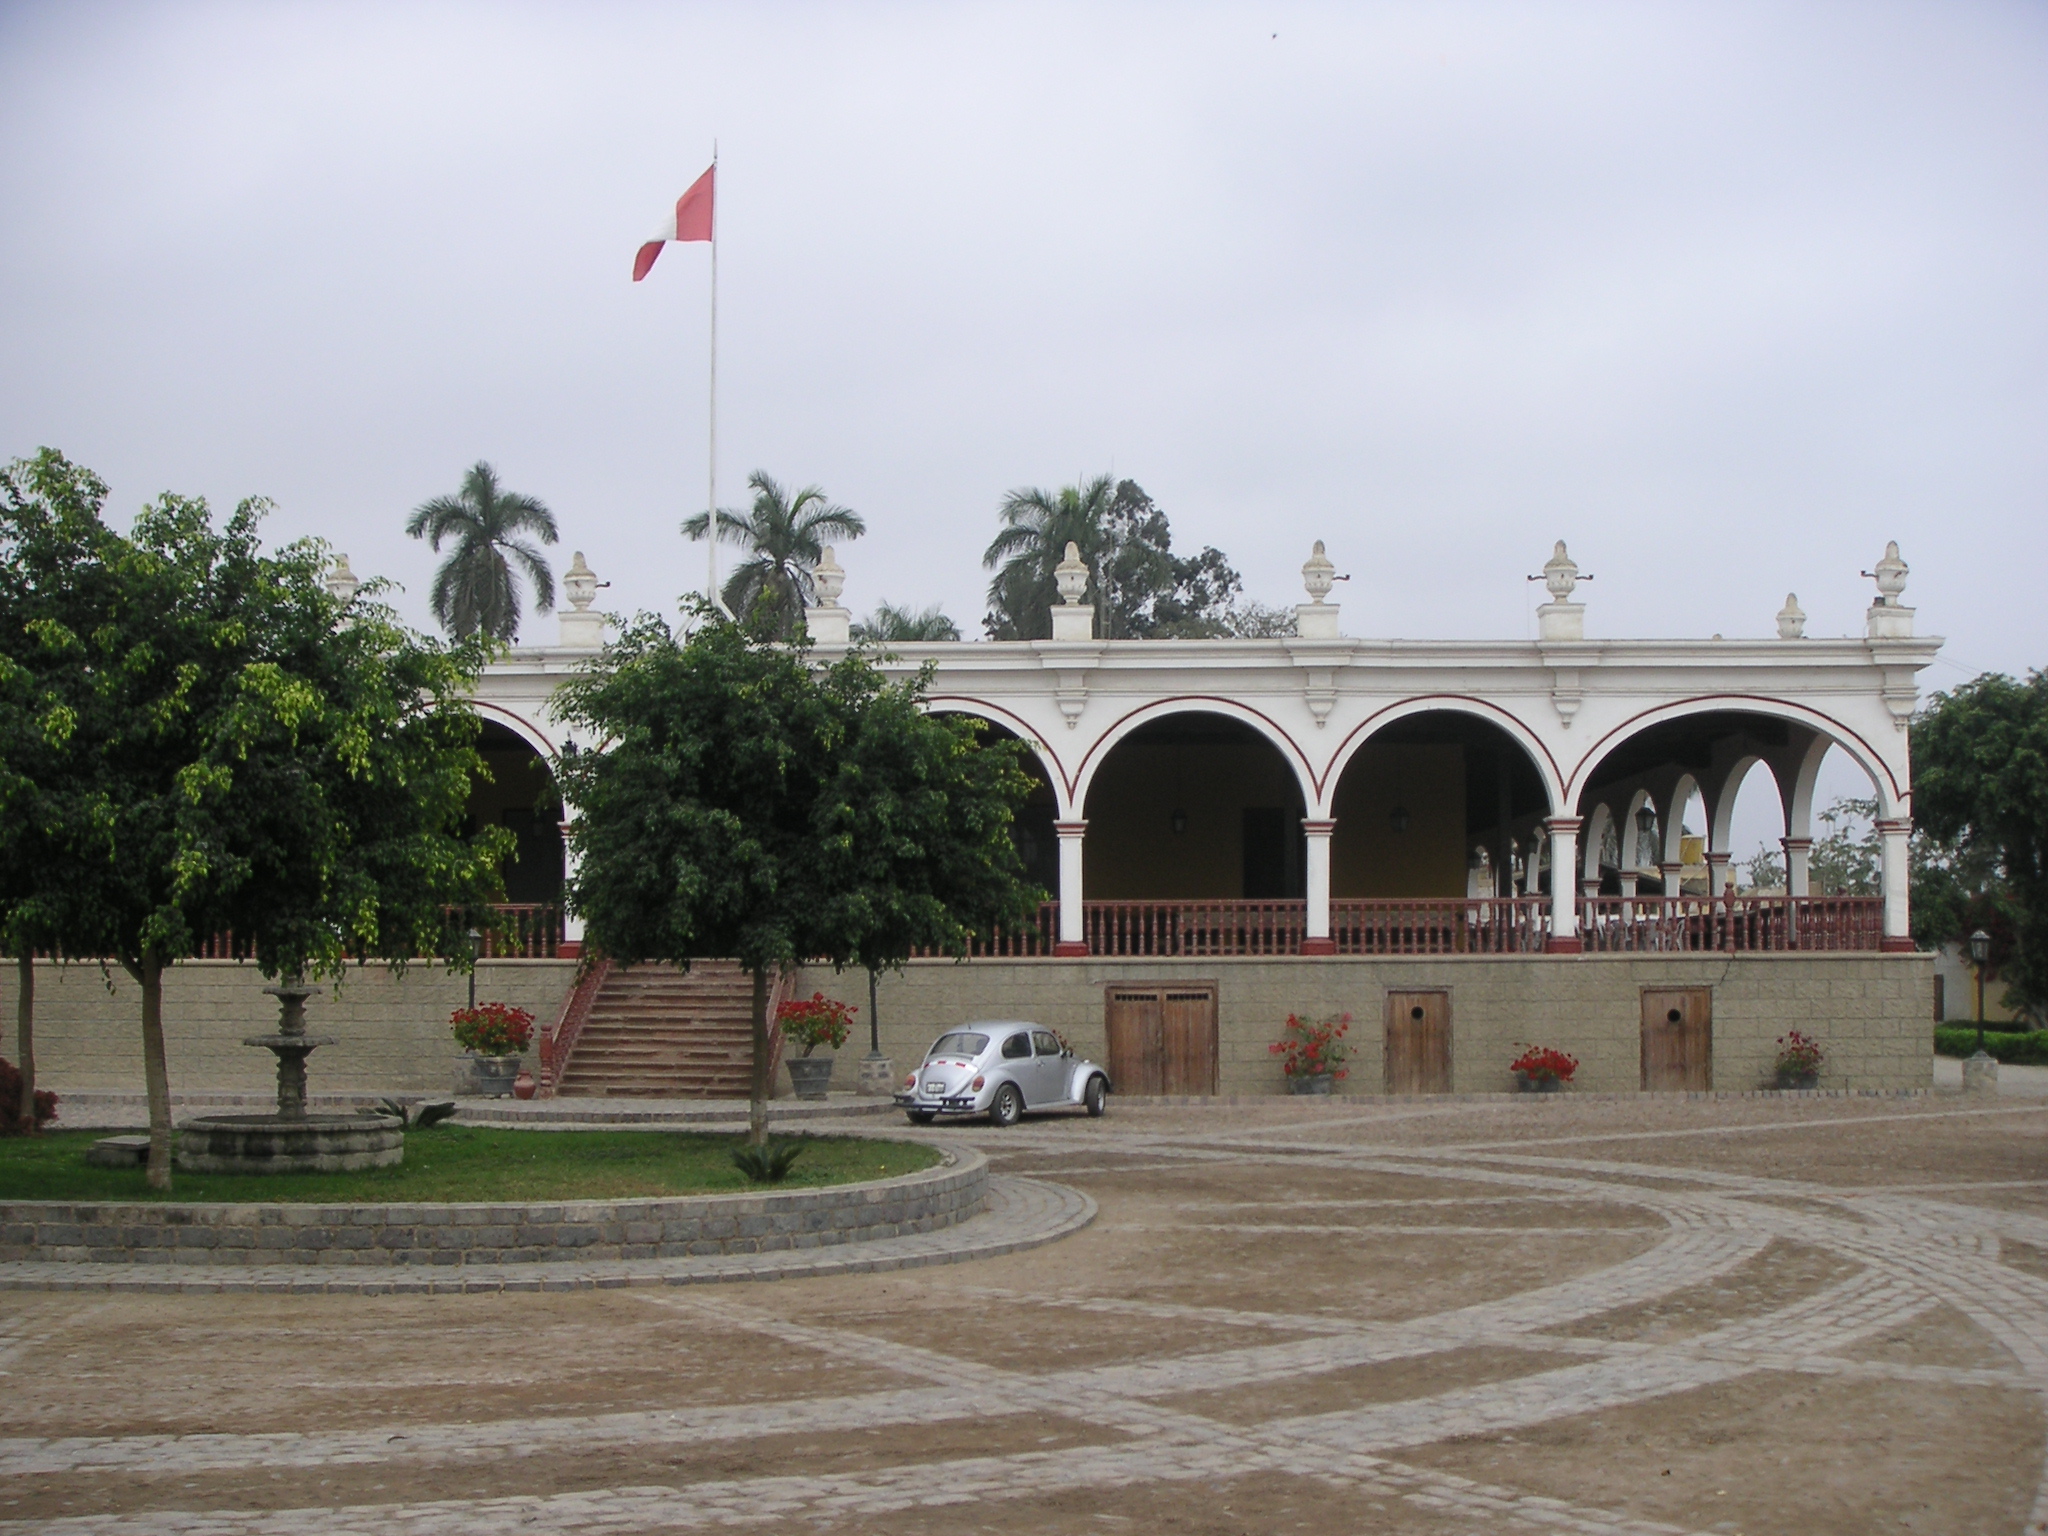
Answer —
462 1162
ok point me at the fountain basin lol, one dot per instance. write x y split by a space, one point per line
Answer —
272 1144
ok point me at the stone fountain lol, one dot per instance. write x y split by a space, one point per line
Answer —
290 1141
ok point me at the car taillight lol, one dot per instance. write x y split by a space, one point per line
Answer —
978 1082
910 1081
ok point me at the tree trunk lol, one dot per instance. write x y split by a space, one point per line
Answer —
25 1038
149 974
757 1104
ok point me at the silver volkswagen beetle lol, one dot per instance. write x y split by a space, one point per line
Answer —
1001 1070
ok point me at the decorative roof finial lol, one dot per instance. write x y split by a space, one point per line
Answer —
828 579
1890 576
1318 574
580 582
1791 619
1071 575
1560 574
341 581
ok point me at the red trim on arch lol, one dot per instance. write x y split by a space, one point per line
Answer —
1194 703
1683 707
1024 730
546 751
1480 707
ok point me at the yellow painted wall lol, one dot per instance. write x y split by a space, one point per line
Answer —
1132 852
1368 858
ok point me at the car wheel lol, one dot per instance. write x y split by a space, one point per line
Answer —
919 1116
1095 1097
1008 1108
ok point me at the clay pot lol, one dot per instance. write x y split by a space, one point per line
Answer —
523 1086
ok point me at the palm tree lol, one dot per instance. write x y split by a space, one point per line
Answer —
785 536
1037 526
476 590
890 622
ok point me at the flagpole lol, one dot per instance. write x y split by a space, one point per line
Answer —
711 517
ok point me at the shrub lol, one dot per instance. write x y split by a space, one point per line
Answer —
2028 1049
1540 1062
10 1101
815 1020
1799 1055
1312 1047
493 1029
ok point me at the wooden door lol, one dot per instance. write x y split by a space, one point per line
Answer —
1418 1039
1678 1039
1162 1039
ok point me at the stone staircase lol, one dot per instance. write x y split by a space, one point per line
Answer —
654 1031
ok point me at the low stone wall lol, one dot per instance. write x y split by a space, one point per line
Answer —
391 1030
1871 1012
499 1233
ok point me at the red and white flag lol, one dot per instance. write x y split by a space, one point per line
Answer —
691 220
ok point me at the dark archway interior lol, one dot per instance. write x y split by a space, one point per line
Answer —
1695 744
520 794
1419 800
1038 844
1195 806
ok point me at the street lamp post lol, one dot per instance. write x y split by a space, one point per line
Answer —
476 949
1980 955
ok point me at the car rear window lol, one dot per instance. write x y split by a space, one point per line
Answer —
959 1043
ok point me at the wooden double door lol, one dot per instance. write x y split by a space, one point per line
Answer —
1162 1038
1418 1036
1678 1039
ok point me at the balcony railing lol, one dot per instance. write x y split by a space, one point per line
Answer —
1731 924
1477 925
1190 928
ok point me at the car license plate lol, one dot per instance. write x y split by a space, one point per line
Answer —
934 1086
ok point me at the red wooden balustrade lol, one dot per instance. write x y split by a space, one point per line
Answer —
559 1039
1731 924
1194 928
1476 925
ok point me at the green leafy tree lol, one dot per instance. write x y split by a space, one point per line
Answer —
784 537
889 622
249 755
1980 786
476 591
1140 589
1848 857
748 806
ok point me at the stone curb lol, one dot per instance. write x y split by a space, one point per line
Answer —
1019 1214
1314 1102
520 1234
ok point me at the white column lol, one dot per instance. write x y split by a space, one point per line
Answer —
1898 917
1798 865
1315 937
572 924
1672 873
1717 874
1073 939
1564 885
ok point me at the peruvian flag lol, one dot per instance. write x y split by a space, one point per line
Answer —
691 220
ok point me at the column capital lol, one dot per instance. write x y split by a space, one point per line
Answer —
1557 824
1896 825
1318 828
1796 844
1070 828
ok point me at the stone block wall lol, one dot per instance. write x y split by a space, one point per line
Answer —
392 1031
1870 1012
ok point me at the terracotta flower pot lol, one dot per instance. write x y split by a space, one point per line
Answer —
523 1086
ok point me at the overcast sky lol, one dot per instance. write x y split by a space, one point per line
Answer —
1725 295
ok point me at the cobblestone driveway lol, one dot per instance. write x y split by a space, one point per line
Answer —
1617 1316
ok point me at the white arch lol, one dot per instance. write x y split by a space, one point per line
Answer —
1674 820
1159 709
995 714
521 727
1884 783
1454 704
1631 836
1723 829
1798 798
1594 835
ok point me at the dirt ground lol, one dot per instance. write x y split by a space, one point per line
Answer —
1801 1316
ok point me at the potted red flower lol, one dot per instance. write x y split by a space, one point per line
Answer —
1312 1052
811 1022
1539 1069
496 1035
1799 1059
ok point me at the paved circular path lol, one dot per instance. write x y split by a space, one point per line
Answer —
1814 1317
